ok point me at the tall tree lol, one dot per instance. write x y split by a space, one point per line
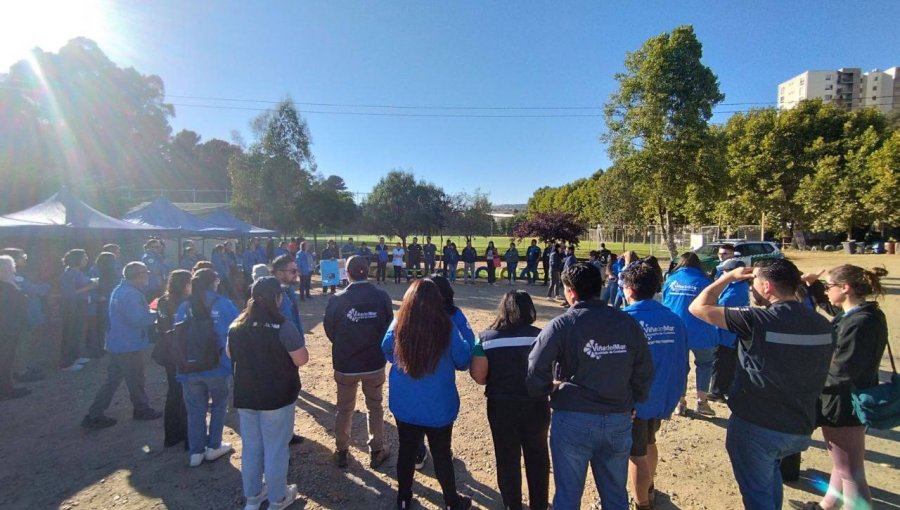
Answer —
470 214
322 208
658 123
883 198
399 205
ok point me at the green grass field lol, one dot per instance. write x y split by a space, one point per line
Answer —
502 243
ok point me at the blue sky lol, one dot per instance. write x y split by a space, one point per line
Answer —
459 54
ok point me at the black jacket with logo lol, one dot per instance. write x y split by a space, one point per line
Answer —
599 354
356 319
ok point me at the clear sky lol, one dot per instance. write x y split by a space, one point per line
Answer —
490 57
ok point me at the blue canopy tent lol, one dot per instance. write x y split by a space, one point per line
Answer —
64 215
224 218
163 213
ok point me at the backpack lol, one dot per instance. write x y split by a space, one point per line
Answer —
196 345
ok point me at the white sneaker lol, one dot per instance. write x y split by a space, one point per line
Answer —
74 367
82 361
288 500
254 502
214 453
196 459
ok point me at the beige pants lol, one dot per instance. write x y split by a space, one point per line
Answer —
372 385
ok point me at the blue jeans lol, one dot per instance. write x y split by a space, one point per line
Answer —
451 272
604 441
703 363
756 454
511 272
198 391
265 436
531 272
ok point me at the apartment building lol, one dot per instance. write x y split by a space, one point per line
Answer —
847 87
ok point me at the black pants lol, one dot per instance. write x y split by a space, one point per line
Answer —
555 289
520 428
429 267
492 272
381 272
130 367
546 266
439 440
96 336
305 284
73 320
175 418
724 365
8 342
398 271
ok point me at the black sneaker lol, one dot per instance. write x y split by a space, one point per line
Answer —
296 439
340 458
96 423
462 503
15 393
147 414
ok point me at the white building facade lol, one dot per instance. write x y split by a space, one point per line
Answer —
847 87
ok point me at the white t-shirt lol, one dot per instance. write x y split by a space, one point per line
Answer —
398 256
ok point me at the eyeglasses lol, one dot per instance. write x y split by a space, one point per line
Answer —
830 285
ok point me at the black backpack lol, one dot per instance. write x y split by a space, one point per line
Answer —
196 346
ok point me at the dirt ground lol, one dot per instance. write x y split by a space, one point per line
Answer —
48 461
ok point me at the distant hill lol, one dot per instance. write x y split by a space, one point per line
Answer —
509 207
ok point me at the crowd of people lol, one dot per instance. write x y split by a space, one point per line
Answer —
590 388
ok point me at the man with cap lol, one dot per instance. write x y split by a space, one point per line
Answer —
356 319
736 294
126 341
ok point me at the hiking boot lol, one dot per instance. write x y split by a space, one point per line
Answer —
214 453
146 414
340 459
421 457
703 409
378 457
288 499
97 422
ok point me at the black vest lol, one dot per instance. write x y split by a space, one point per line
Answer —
265 377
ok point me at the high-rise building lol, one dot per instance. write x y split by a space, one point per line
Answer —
847 87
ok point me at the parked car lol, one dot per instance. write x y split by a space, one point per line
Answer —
750 252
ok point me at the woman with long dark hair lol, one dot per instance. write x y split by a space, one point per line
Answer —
201 387
178 290
425 349
107 279
489 255
266 349
685 283
862 335
519 422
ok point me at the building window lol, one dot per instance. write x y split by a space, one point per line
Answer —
827 97
874 98
829 86
876 78
802 81
827 77
874 88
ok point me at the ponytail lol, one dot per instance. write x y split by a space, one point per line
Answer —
202 281
863 282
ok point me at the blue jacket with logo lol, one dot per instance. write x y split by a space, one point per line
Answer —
533 255
678 292
735 294
223 314
432 400
129 319
667 339
158 270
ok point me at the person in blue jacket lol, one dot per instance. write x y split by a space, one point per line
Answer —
305 265
532 257
381 257
425 349
685 283
736 294
451 261
126 341
281 250
249 258
189 256
159 272
668 342
201 387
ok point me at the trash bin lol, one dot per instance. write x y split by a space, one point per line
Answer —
891 247
849 247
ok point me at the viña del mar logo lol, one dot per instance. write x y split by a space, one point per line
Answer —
357 316
597 351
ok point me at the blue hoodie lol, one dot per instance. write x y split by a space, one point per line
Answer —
248 260
129 319
223 314
431 401
678 292
667 339
462 324
735 294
